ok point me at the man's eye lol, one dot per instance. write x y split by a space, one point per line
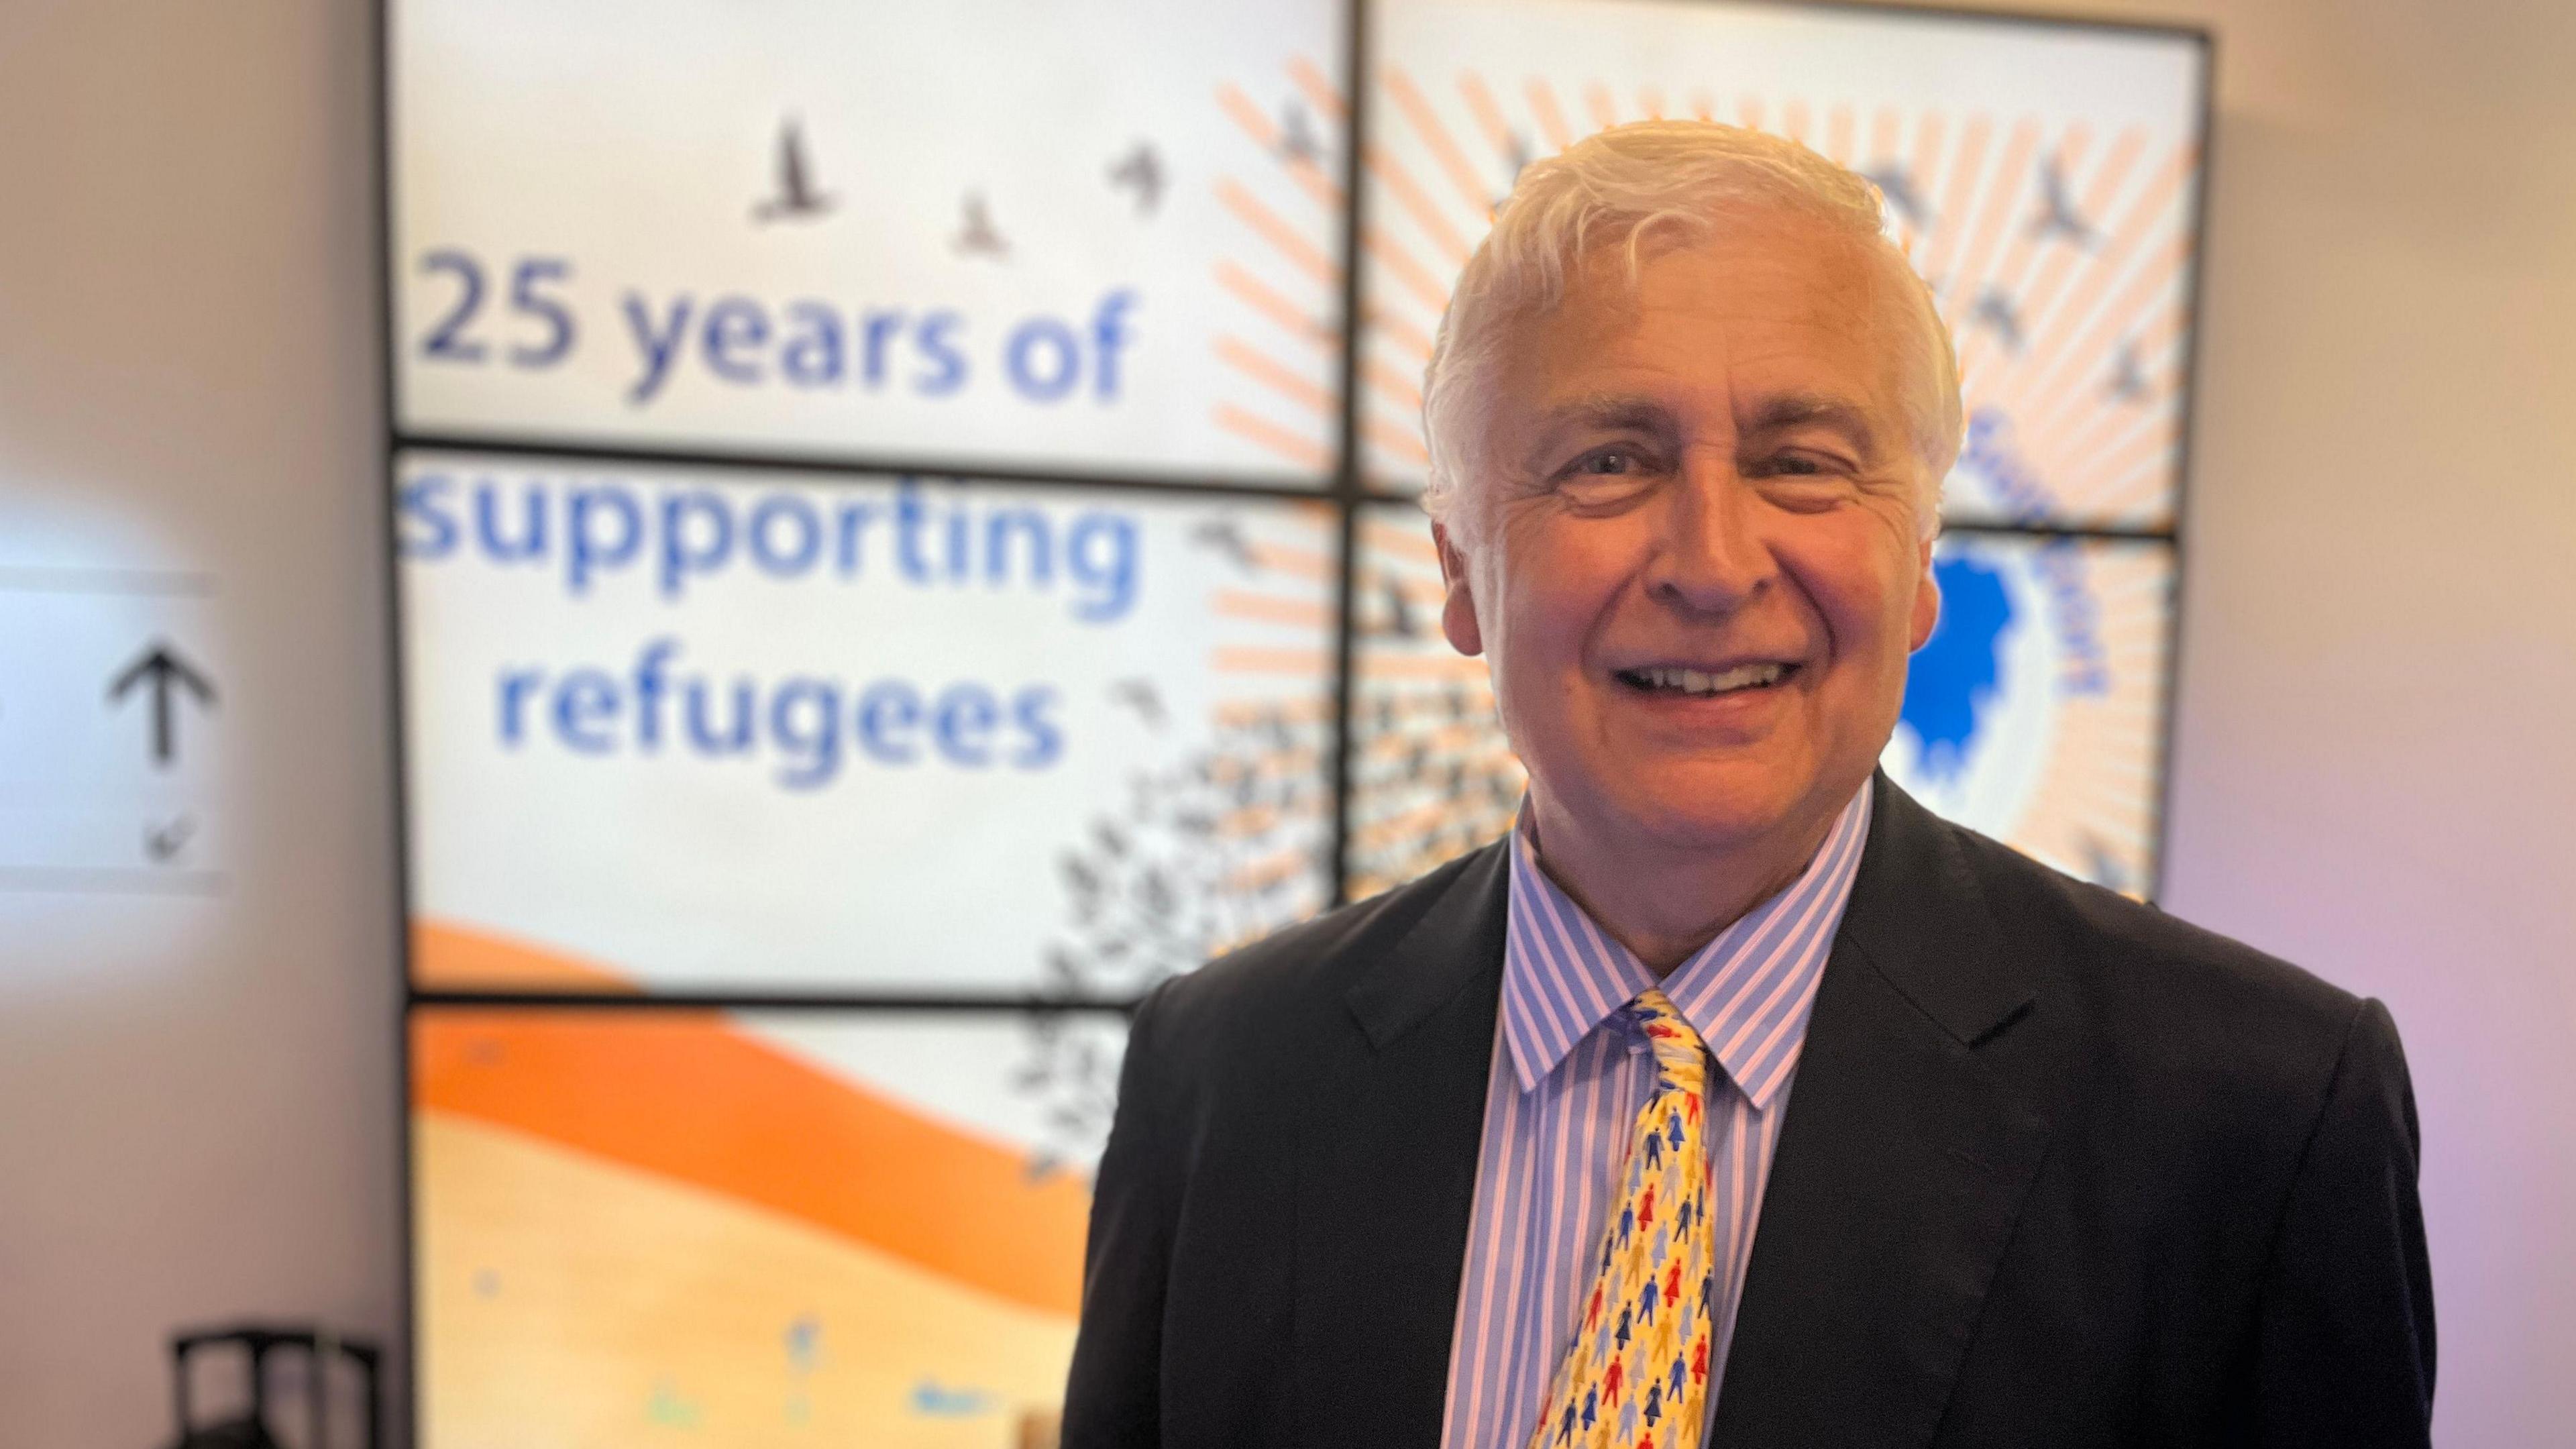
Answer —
1607 463
1793 466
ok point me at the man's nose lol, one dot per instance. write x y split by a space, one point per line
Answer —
1711 556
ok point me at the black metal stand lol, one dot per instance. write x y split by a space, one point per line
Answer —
249 1430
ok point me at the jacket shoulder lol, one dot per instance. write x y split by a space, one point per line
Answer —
1285 982
2169 998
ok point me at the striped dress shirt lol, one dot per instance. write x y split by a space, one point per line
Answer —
1568 1077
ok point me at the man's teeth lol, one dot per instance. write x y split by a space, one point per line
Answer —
1693 681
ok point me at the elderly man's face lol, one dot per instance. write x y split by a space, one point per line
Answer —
1691 547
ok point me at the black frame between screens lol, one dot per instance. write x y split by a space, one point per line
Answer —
1348 492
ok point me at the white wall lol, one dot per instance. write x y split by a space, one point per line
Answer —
2375 770
197 1104
2374 774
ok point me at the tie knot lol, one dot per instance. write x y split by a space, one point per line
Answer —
1678 1049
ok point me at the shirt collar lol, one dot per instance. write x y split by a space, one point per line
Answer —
1747 993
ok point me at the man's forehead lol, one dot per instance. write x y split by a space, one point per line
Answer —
1790 319
1790 274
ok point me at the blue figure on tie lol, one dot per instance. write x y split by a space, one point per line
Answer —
1655 1150
1654 1404
1708 1292
1627 1224
1628 1422
1565 1425
1646 1300
1682 1215
1673 1130
1680 1373
1591 1406
1624 1326
1663 1242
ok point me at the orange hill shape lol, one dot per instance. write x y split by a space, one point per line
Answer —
689 1096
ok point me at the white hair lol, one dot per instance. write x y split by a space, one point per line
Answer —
1679 181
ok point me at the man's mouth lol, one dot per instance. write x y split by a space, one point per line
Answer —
1665 679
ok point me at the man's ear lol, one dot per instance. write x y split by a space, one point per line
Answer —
1458 606
1927 598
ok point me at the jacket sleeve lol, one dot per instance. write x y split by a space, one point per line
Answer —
1113 1399
2345 1333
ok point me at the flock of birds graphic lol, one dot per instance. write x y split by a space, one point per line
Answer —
1111 879
1141 172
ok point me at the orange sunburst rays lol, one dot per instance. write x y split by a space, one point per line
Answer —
1287 280
2073 421
2006 277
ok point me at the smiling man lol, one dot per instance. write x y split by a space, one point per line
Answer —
1734 1098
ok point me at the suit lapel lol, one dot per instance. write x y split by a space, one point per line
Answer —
1902 1166
1387 1173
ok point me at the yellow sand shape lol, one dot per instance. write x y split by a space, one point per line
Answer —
690 1097
566 1302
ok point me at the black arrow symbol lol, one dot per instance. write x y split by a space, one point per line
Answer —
161 669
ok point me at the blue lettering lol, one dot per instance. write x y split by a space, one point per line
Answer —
516 686
679 560
1100 555
736 737
932 341
888 714
586 701
812 355
813 747
417 502
964 723
588 550
1044 359
1109 335
878 330
734 326
806 529
657 351
1045 742
487 520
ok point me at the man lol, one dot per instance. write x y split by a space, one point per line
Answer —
1734 1098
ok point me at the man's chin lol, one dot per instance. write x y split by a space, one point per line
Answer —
1721 806
1701 819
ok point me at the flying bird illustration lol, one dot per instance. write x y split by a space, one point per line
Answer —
977 236
2057 213
1897 184
1226 537
1139 695
2104 867
1399 612
2128 379
163 842
796 198
1994 310
1297 135
1142 172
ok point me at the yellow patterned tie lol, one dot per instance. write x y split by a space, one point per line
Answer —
1636 1375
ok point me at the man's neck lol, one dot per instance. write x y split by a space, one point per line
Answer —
1661 902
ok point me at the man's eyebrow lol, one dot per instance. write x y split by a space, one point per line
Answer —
1793 410
1607 410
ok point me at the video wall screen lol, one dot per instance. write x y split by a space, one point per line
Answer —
750 1228
903 540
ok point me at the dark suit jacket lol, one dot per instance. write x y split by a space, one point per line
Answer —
2058 1170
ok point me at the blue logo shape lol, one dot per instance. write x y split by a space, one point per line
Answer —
1953 676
